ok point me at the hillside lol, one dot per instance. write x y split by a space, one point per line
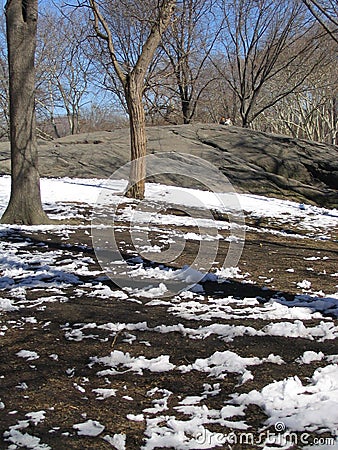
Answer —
255 162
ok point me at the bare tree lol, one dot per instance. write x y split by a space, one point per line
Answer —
188 44
311 111
132 32
100 116
262 40
326 12
25 206
217 99
64 69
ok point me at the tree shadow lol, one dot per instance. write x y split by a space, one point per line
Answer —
277 166
44 276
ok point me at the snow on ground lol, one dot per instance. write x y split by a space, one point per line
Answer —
54 191
299 407
290 404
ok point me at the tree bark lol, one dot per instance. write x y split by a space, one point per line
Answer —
186 111
133 85
25 205
138 140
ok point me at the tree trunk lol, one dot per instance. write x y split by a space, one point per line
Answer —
334 121
186 111
25 205
138 141
133 84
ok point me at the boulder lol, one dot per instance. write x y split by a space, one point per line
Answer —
253 161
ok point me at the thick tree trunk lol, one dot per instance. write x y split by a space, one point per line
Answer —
186 111
138 140
25 205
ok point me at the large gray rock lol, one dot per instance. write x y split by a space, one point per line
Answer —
254 162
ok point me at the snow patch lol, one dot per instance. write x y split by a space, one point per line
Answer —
133 364
89 428
311 407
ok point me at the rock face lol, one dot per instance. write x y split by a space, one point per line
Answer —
254 162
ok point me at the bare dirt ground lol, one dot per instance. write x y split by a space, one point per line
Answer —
61 381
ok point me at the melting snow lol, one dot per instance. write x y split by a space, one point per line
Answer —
89 428
311 407
138 364
172 421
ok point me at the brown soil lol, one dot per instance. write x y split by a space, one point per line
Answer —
53 385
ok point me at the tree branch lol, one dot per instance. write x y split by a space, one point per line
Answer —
99 19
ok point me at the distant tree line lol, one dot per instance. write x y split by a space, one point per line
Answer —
267 65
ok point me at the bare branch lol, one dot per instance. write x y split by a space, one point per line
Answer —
100 20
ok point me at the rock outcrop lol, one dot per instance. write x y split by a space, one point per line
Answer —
254 162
